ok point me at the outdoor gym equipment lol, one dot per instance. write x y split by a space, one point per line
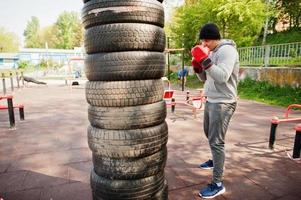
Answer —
297 143
71 73
10 107
275 121
196 102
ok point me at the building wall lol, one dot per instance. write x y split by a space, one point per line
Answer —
275 75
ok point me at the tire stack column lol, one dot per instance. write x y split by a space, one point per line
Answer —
124 42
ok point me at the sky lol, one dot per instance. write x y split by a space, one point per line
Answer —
14 14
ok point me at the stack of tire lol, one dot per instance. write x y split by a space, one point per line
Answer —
124 42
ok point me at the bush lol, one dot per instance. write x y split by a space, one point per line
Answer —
265 92
24 64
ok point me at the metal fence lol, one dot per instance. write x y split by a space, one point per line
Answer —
269 55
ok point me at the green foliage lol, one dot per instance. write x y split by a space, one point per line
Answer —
31 33
66 33
48 35
289 36
69 30
192 81
240 20
23 64
265 92
48 64
9 42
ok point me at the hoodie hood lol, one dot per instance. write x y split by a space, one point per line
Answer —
223 43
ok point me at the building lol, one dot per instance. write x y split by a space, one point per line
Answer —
35 56
9 60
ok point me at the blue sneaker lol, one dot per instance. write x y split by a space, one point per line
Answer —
212 190
207 165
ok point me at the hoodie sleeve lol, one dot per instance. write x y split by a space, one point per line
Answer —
202 76
222 70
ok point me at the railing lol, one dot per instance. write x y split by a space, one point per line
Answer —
279 54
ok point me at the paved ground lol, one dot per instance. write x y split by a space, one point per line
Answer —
47 156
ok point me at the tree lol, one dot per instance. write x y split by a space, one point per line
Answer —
9 42
240 20
31 33
69 30
290 12
48 35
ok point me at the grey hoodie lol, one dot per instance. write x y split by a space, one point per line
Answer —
221 78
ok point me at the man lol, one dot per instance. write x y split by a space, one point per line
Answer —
216 62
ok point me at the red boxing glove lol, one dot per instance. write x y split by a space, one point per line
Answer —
200 53
197 67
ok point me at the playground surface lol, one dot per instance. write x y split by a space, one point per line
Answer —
47 156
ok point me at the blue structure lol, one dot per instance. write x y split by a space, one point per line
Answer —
35 56
8 61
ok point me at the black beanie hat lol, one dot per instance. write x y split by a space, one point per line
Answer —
210 31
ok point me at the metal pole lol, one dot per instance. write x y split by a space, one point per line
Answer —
21 112
265 27
22 77
187 95
3 83
267 55
272 135
18 81
183 70
11 81
183 75
11 112
173 104
297 145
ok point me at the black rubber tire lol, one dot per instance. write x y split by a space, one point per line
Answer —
125 118
163 193
123 144
146 188
128 169
98 12
85 1
124 37
129 65
124 93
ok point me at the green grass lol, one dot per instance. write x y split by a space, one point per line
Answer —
192 81
265 92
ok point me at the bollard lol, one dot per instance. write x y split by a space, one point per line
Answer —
272 135
22 117
274 124
11 113
3 83
187 95
11 81
173 105
22 77
297 143
18 81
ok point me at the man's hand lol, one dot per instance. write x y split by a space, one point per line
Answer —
197 67
200 53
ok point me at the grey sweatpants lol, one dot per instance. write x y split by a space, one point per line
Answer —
216 120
